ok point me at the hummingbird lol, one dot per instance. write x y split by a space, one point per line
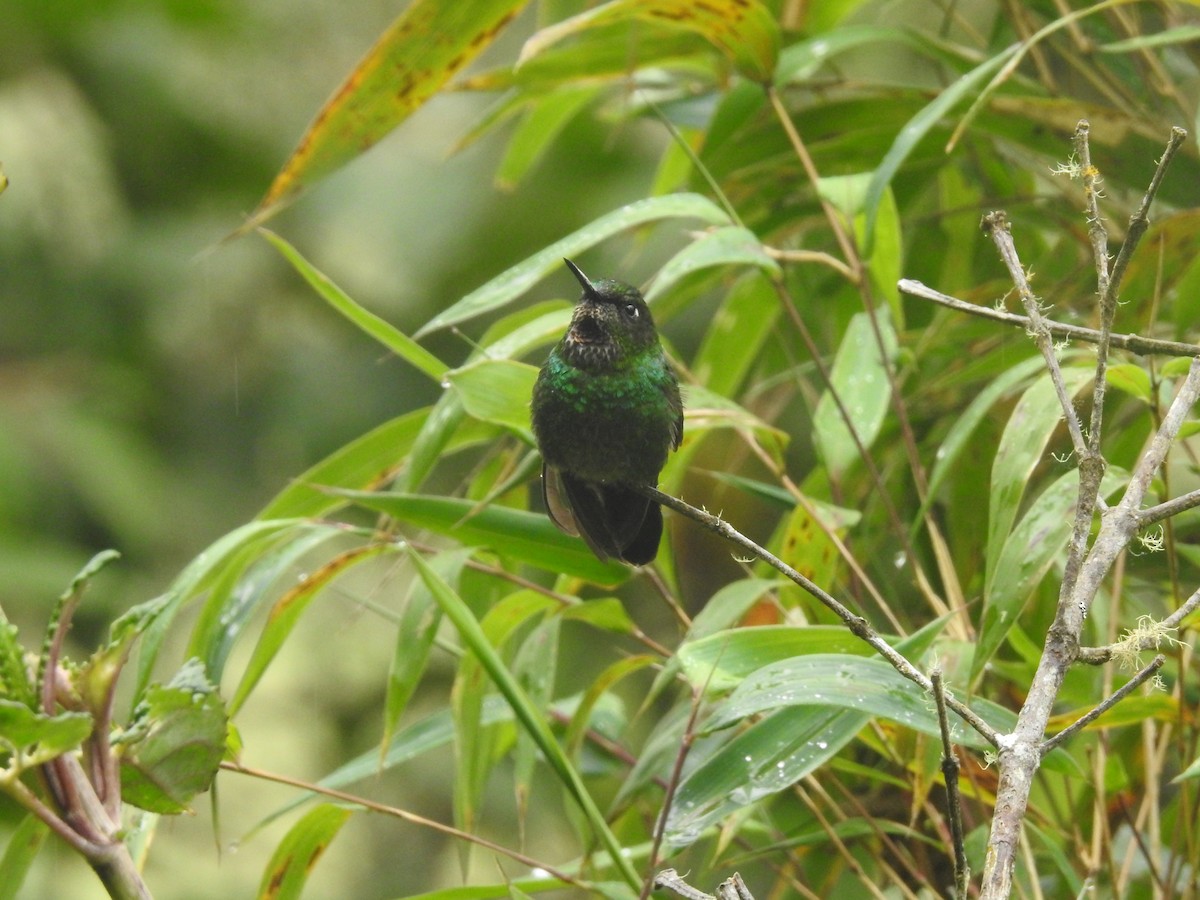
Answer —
606 412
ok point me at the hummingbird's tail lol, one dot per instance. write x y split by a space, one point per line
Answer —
614 520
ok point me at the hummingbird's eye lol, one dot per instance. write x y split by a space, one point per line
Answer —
631 310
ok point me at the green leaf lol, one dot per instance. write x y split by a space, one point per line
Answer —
156 615
859 378
1034 419
38 738
497 391
721 661
602 685
173 746
1175 368
363 464
865 685
1192 771
734 340
1133 380
728 246
705 410
1180 34
420 51
288 609
535 666
802 60
23 845
848 193
1028 552
14 679
918 127
771 755
248 580
542 124
475 744
511 284
968 420
531 719
366 321
526 536
298 852
419 621
726 607
743 30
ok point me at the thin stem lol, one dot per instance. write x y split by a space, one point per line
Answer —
962 872
406 816
660 828
1100 709
858 626
1143 346
1097 656
1170 508
997 227
815 256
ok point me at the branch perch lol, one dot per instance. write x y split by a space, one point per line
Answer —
858 626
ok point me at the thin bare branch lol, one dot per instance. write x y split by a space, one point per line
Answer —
1134 343
962 872
1145 640
995 225
1117 696
858 626
406 816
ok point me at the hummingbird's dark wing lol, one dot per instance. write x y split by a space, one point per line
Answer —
558 506
613 520
671 389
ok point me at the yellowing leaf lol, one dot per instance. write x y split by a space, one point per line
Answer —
743 30
420 52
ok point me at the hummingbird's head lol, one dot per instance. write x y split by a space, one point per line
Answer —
611 322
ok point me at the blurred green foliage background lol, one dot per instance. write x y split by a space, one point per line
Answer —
158 384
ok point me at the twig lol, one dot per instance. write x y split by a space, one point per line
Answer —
1096 656
995 225
1083 573
1117 696
858 626
1140 220
669 879
1170 508
406 816
962 872
817 256
732 888
1143 346
672 785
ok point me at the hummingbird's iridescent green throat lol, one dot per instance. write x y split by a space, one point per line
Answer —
606 412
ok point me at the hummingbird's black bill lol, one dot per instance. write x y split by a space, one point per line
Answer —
579 276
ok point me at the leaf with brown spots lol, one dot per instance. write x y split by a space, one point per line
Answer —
299 851
420 52
743 30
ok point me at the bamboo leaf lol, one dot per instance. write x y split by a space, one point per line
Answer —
288 609
511 284
527 536
731 245
531 719
1028 431
743 30
298 852
366 321
1027 554
422 49
859 378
